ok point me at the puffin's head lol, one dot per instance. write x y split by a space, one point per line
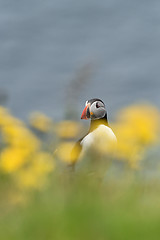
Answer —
94 109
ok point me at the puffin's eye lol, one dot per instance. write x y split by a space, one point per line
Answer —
97 105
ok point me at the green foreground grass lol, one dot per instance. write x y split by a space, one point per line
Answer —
77 207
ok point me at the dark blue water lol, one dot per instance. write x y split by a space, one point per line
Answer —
43 44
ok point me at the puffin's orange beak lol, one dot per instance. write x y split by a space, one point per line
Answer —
86 113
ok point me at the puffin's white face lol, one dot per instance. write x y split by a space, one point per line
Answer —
95 109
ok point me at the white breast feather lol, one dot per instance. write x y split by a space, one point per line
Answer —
102 138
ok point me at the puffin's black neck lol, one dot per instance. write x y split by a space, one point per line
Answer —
95 123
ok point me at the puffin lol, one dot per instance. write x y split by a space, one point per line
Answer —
99 136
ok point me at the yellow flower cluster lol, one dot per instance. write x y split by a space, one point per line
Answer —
136 127
40 122
64 151
35 174
20 153
68 129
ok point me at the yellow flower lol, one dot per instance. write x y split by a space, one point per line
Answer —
12 159
19 136
68 129
40 122
66 153
144 120
34 175
137 127
23 155
15 133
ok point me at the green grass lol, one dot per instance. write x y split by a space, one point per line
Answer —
83 207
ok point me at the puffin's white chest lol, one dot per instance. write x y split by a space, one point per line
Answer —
101 138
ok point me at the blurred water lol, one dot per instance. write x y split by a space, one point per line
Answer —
43 43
